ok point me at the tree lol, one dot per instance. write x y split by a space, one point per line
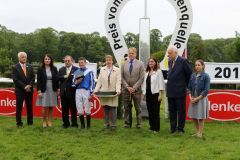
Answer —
5 61
155 40
196 48
232 50
159 55
47 42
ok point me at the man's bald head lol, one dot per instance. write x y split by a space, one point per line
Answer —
22 57
172 52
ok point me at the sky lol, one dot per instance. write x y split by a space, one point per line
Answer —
211 18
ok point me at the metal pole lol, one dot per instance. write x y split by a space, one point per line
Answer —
145 9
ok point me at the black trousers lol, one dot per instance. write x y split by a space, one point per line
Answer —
153 107
68 103
20 97
177 113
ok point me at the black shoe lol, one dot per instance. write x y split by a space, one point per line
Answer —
88 121
82 121
30 123
113 128
172 131
74 125
106 127
126 126
19 126
138 126
65 126
181 131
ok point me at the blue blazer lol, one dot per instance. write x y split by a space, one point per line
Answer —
178 78
201 85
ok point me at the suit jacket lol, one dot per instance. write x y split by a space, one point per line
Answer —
135 79
178 78
66 83
42 79
157 82
20 80
105 84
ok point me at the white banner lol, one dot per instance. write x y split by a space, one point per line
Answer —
112 26
179 38
223 71
183 27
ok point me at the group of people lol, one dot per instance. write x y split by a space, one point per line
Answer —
76 87
75 92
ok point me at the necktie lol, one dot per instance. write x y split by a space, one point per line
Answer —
131 66
24 69
173 63
68 70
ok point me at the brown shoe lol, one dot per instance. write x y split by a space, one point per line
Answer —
44 124
49 124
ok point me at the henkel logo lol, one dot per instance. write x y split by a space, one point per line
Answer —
7 102
224 106
95 107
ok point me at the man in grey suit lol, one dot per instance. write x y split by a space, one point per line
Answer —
132 72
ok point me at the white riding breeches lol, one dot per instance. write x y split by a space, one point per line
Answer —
82 102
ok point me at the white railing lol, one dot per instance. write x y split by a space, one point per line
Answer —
9 80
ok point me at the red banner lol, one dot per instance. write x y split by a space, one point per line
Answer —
224 105
8 105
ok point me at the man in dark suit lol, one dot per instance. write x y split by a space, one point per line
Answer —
67 92
178 77
23 78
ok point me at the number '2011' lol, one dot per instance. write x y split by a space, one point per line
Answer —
226 72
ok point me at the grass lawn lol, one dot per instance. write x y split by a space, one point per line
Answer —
221 142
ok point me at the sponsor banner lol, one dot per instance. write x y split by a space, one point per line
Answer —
8 105
224 105
223 71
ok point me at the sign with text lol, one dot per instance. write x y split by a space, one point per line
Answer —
113 30
8 105
223 71
179 37
182 29
224 105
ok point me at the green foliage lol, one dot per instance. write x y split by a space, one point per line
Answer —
221 142
232 50
159 55
58 44
196 49
155 40
132 40
47 41
94 47
5 61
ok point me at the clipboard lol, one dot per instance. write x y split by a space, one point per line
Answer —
106 94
